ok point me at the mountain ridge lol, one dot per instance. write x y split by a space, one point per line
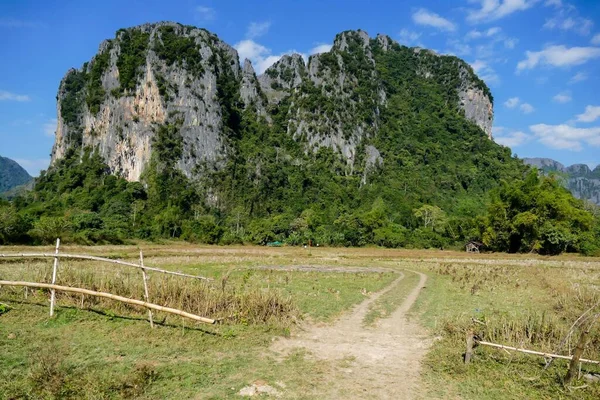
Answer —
582 181
163 72
12 175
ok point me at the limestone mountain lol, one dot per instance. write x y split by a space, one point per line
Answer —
167 73
165 133
583 182
11 174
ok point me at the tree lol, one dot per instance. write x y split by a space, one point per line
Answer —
432 217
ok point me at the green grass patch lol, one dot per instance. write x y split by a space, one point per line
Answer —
387 303
109 352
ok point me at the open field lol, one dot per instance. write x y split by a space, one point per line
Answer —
262 296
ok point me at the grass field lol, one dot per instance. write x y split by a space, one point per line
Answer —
107 350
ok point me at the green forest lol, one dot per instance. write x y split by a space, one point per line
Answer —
442 182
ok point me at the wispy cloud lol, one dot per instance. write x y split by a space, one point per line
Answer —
567 18
562 98
558 56
582 26
596 40
456 47
320 48
513 102
261 56
485 72
205 14
578 77
8 96
590 114
428 18
511 139
526 108
410 38
475 34
566 137
492 10
257 29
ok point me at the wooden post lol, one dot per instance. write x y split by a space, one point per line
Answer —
146 296
470 342
110 296
54 268
576 356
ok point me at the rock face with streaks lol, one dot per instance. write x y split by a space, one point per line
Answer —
148 76
168 74
583 182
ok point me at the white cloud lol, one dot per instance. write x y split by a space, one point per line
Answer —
257 29
578 77
526 108
510 43
512 139
485 72
475 34
428 18
558 56
582 26
492 10
8 96
555 3
591 114
34 166
50 127
320 48
205 14
562 98
566 137
458 48
512 102
596 39
410 38
261 56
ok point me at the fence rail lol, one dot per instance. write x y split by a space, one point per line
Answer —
102 259
53 286
150 306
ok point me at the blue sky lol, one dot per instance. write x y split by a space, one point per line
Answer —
541 58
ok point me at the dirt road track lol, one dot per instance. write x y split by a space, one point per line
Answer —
381 362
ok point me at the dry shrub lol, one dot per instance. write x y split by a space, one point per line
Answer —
240 300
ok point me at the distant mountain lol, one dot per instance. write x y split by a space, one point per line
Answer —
583 182
12 174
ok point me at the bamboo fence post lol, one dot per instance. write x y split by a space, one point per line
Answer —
470 342
146 296
576 356
112 297
54 268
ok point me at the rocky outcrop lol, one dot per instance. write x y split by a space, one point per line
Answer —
170 74
173 80
583 182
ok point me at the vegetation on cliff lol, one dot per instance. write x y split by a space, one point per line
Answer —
439 182
11 174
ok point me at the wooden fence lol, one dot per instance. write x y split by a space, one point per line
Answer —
146 303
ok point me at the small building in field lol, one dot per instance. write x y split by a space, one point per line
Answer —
473 246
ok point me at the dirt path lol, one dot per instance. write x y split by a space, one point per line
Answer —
381 362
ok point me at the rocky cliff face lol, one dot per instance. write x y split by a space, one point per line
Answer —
148 76
579 179
169 74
